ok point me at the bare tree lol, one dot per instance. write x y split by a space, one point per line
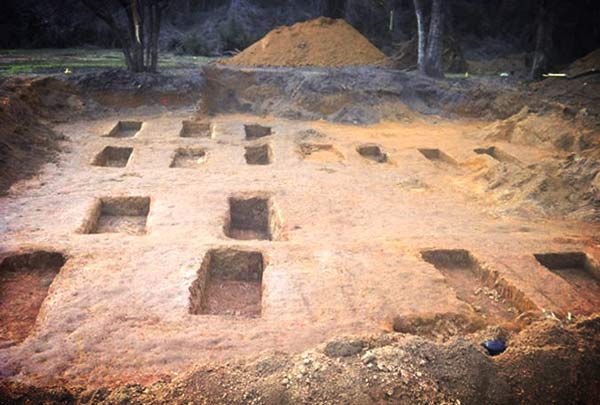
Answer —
333 8
421 36
139 39
543 39
430 48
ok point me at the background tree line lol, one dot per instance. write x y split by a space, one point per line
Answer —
558 32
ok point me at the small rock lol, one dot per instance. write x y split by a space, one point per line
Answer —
368 358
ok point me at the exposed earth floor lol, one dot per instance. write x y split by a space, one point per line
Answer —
148 249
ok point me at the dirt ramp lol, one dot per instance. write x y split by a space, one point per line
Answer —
322 42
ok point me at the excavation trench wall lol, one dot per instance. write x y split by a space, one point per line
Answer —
361 95
118 88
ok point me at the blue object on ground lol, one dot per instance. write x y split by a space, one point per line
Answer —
494 347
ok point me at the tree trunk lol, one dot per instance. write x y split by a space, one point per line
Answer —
334 8
433 59
149 27
121 36
155 30
135 45
128 58
543 39
422 40
140 40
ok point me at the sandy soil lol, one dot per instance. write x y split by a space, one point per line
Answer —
342 252
319 42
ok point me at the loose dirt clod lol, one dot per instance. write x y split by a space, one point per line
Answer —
119 215
229 283
113 156
251 218
195 129
344 347
24 282
258 155
372 152
320 42
125 129
255 131
188 158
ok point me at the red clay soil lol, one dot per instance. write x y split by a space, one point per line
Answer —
321 42
232 297
22 295
24 283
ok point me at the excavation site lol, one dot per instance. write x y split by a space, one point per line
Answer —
330 202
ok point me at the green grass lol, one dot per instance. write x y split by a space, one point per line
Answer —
44 61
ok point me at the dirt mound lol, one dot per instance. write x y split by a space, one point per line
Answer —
26 142
591 61
568 184
322 42
580 90
395 368
553 130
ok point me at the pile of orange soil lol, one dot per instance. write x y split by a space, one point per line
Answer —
322 42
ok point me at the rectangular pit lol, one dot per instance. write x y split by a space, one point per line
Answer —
229 283
319 152
437 156
255 131
372 152
577 269
497 154
252 217
24 282
195 129
125 129
113 156
259 155
494 298
189 158
119 215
